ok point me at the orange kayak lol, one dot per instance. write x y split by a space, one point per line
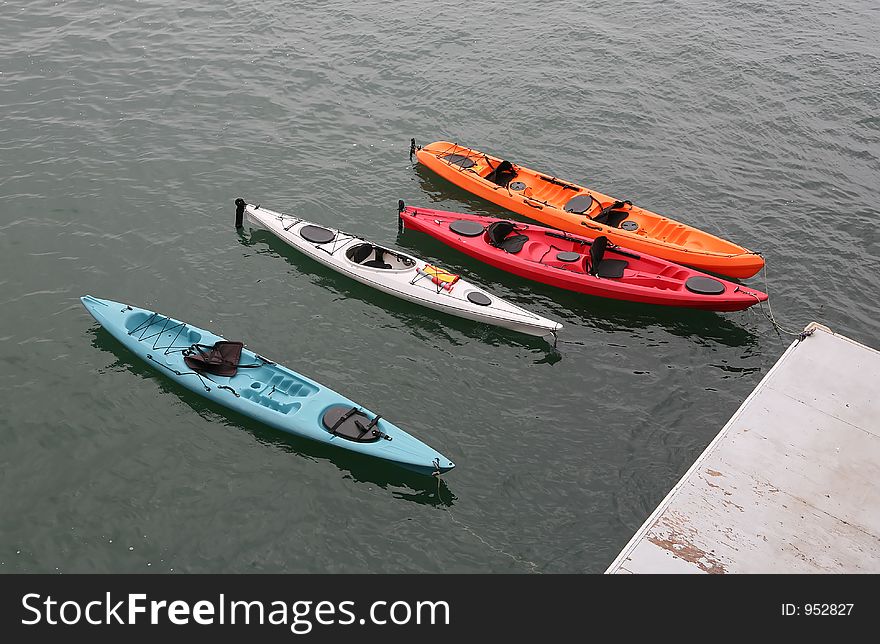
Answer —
583 211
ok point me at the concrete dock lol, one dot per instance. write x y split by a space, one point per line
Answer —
791 484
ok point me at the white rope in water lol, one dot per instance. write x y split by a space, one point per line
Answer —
525 562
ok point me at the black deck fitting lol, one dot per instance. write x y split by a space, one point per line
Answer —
239 212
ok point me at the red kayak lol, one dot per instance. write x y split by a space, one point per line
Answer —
591 266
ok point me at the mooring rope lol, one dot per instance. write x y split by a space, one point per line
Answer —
520 560
800 335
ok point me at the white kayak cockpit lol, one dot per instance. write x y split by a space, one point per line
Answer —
372 256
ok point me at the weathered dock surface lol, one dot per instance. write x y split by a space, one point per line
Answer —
790 484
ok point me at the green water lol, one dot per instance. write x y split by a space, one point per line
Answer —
128 129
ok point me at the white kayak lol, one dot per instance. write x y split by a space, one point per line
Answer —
395 272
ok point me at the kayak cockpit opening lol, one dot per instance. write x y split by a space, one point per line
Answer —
372 256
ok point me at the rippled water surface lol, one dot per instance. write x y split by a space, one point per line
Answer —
128 128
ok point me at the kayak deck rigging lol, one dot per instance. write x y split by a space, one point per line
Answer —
318 237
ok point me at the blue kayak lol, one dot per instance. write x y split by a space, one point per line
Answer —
248 383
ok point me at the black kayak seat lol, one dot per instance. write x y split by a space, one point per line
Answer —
514 243
359 253
503 174
379 261
611 268
607 268
613 214
611 218
350 423
219 359
498 235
